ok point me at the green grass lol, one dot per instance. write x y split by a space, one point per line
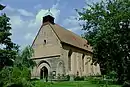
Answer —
69 84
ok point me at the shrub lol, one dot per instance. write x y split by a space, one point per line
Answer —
112 75
34 79
26 73
5 75
101 80
40 84
15 85
67 77
78 78
63 77
20 83
15 76
95 80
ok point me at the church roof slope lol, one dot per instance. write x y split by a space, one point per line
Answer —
71 38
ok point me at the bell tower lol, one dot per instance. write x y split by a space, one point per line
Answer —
48 18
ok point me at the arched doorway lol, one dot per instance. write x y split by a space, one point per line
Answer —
43 69
43 72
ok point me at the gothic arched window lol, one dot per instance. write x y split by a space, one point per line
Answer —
83 61
69 59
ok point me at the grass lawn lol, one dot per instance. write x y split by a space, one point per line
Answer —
69 84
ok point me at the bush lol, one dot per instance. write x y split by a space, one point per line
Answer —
67 77
15 76
34 79
63 77
5 76
78 78
26 73
101 80
15 85
112 75
94 80
20 83
40 84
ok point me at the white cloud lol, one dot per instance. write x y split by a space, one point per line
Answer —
73 24
43 12
24 30
16 21
71 21
13 11
55 6
91 1
29 36
38 6
9 8
39 17
24 12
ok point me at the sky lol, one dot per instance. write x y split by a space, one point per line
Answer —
26 16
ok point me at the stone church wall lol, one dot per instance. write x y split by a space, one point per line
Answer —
46 43
50 63
78 66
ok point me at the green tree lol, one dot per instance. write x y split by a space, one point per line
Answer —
20 72
24 58
107 28
14 75
14 64
8 49
2 7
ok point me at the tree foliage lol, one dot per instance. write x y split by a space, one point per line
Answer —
14 64
15 75
1 7
8 49
23 58
9 52
107 28
20 72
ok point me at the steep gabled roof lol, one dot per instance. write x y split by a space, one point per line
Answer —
71 38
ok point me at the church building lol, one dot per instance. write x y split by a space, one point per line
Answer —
59 51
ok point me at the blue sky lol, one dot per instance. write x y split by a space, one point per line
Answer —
26 16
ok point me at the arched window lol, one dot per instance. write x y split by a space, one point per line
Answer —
69 59
83 61
60 68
